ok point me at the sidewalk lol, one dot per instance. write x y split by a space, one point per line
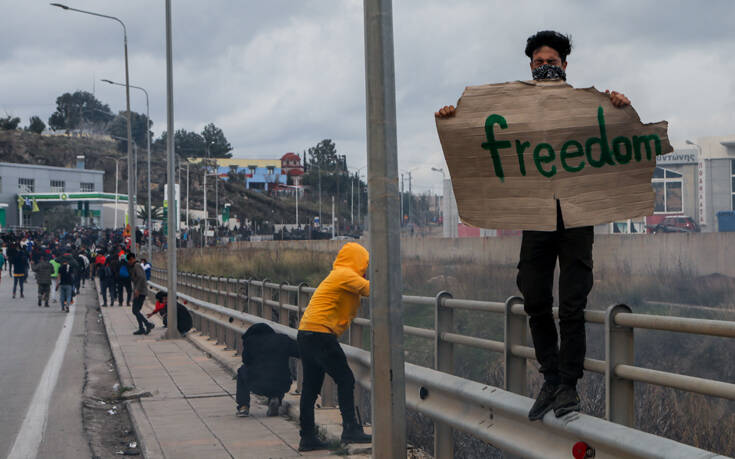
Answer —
191 410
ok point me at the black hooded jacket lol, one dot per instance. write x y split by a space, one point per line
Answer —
265 355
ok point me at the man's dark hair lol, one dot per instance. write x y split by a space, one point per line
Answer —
131 255
554 40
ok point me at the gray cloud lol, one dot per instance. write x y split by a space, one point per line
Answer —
281 75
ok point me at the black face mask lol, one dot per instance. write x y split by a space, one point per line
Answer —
549 72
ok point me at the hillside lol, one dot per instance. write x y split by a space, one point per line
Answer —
61 151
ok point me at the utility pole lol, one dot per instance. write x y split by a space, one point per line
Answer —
387 372
332 217
173 329
206 215
352 201
319 165
297 208
402 193
187 197
410 196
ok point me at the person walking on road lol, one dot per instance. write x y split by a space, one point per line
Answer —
329 313
66 284
107 282
140 286
55 265
2 264
43 270
264 369
20 270
124 281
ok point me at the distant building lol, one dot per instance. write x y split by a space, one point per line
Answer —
291 164
259 174
26 191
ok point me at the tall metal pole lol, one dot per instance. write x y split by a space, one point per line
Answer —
187 197
206 214
297 208
352 201
319 165
131 167
333 217
148 146
173 330
386 310
116 181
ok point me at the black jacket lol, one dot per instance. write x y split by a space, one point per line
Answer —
265 355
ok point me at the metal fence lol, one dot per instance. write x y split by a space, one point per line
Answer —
229 305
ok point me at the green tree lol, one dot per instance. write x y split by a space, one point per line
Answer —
80 110
61 218
216 142
36 125
324 156
187 144
156 214
119 128
9 123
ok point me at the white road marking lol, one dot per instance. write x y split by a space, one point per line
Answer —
34 425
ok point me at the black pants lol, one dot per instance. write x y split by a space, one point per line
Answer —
539 251
108 285
321 353
242 396
128 286
137 306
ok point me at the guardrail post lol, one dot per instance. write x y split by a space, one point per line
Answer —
443 361
302 300
619 349
282 312
248 295
516 333
266 311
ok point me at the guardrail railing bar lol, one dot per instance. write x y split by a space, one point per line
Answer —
491 414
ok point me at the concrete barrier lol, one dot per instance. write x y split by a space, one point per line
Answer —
697 254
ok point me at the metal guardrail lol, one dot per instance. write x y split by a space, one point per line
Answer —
496 416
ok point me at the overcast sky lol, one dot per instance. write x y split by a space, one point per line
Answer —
280 75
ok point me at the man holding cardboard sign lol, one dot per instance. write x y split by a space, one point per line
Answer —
551 160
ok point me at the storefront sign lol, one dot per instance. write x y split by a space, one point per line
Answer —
678 157
514 149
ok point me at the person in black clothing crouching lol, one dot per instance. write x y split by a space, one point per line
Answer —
561 364
265 370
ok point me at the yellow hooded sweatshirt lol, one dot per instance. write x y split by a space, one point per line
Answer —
336 300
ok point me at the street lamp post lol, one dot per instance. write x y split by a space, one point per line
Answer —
173 329
131 196
148 146
116 182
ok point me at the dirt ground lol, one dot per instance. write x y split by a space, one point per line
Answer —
105 416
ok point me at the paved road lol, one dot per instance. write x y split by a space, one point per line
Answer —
28 338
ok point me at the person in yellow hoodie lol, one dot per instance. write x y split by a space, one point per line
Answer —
329 313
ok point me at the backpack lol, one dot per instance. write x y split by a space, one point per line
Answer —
124 273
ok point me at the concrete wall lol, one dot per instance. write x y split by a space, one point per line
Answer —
695 253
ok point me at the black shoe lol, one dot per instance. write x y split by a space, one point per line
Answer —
544 402
139 332
311 443
242 411
46 305
353 433
149 326
273 405
39 302
566 400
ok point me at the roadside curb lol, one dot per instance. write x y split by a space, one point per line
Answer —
149 446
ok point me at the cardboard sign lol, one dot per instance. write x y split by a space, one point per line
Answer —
514 148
